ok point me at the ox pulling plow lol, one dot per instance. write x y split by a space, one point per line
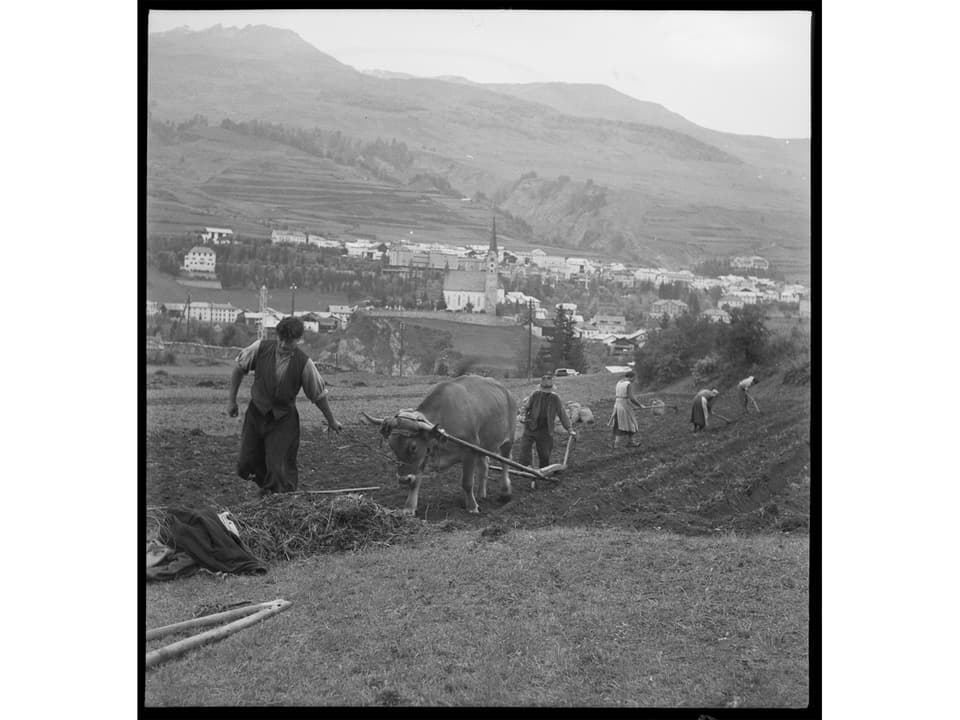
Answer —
544 473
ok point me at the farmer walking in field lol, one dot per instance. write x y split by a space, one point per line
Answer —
744 389
702 407
539 412
622 421
270 437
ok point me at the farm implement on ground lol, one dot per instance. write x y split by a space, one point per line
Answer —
658 406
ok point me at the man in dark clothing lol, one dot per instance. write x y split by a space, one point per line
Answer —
539 412
270 437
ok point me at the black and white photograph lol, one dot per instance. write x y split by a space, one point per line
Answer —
480 359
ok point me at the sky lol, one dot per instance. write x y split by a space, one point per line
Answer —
740 72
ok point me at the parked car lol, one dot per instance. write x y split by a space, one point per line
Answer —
565 372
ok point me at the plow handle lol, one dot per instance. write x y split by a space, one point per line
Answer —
484 451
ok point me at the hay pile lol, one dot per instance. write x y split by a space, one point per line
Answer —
296 525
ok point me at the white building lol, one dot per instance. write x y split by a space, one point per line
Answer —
366 249
217 236
278 237
153 307
752 262
322 242
653 275
716 315
343 313
209 312
200 259
609 324
669 307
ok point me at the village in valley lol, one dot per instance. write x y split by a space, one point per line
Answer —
492 283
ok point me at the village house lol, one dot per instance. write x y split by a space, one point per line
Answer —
322 242
624 346
291 237
210 312
652 275
705 283
753 262
716 315
609 324
217 236
684 277
730 302
669 307
200 260
365 249
153 307
341 313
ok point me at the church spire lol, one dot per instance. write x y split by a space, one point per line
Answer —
493 237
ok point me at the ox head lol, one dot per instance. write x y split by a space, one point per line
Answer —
412 438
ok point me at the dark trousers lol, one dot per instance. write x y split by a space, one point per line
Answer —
268 449
544 444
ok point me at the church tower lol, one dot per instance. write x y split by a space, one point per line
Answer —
491 279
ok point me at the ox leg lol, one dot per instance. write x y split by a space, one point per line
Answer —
469 470
483 466
410 506
506 492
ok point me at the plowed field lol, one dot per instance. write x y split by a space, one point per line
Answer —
749 475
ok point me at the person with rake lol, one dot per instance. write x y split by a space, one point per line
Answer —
702 407
744 387
622 421
270 437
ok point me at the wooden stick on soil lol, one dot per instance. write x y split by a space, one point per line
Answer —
331 492
179 648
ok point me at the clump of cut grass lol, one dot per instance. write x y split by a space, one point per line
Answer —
297 525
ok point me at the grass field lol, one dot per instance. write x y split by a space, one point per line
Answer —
560 617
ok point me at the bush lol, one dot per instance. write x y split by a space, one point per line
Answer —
706 368
161 357
798 372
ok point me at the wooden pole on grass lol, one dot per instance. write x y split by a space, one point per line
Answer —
212 619
179 648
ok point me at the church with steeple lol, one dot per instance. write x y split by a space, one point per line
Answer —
480 290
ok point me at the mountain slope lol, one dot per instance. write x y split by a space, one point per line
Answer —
482 138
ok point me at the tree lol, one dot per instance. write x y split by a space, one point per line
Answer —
743 342
566 349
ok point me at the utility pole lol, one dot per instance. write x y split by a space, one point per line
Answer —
293 299
401 349
529 339
261 333
187 312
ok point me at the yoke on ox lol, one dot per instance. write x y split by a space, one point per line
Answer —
469 410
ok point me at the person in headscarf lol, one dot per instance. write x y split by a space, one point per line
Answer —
702 407
622 421
539 412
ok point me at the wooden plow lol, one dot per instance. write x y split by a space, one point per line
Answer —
545 473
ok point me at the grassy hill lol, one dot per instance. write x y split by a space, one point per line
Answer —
668 179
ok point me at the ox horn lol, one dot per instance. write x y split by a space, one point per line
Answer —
372 420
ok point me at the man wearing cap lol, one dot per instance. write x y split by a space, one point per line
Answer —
539 412
270 437
702 406
622 421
